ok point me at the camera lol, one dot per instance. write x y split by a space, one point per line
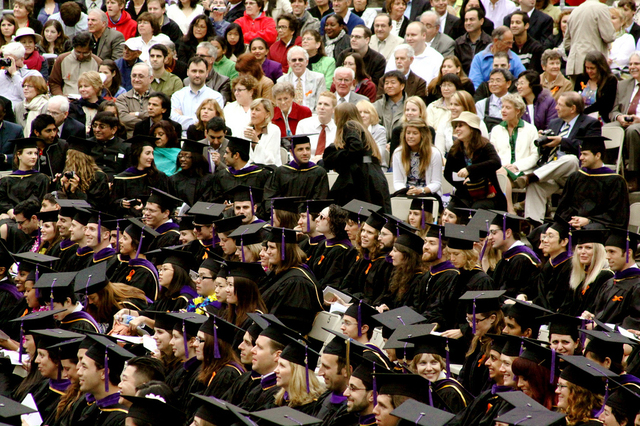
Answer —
5 62
629 119
69 175
544 138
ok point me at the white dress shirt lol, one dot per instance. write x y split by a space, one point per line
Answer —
426 65
313 125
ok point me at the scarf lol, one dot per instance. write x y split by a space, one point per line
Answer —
34 61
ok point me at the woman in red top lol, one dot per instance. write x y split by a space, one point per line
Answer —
287 37
255 23
363 84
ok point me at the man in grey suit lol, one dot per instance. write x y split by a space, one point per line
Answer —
441 42
307 84
107 43
343 79
626 114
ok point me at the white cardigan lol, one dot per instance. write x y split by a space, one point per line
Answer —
433 175
526 151
267 151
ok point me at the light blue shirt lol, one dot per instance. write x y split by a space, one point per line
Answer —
188 101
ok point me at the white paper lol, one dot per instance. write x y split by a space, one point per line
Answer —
149 344
14 356
136 340
337 308
32 419
328 290
457 178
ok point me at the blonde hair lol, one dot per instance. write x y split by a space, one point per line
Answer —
85 167
92 78
297 389
268 106
471 258
465 99
347 115
424 149
517 102
370 109
413 365
416 100
614 11
598 264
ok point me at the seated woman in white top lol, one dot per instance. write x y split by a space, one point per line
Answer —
239 112
622 47
460 101
417 164
370 120
438 111
264 135
513 140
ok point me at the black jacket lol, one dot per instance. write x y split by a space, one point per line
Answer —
465 52
111 156
584 126
235 13
72 127
374 63
605 97
540 27
53 158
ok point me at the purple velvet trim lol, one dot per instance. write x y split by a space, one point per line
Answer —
296 166
108 401
337 398
135 171
60 385
627 273
559 258
442 266
520 249
66 243
188 290
167 226
331 242
145 263
83 250
80 315
247 169
599 171
11 289
24 172
104 253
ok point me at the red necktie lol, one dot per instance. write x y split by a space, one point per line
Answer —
322 140
633 106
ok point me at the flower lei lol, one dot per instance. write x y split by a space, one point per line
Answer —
199 304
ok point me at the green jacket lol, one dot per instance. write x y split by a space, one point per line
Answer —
226 67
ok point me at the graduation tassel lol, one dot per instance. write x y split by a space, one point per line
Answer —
271 209
184 339
484 246
524 419
504 225
39 237
282 246
117 236
242 244
417 422
306 366
86 290
627 247
52 285
448 361
440 245
569 248
375 386
348 358
251 199
422 218
106 369
359 211
216 347
553 366
37 272
359 318
430 395
99 230
473 320
308 219
140 242
20 341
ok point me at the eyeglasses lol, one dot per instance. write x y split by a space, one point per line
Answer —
238 90
199 340
357 37
283 27
294 60
559 386
477 321
202 277
353 388
99 126
349 323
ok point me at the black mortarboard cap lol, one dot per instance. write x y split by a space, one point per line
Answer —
589 236
282 235
426 343
523 416
561 226
195 147
460 209
110 355
37 321
274 329
213 263
519 399
68 207
251 233
206 213
625 399
162 320
92 279
338 346
187 323
623 239
594 144
525 313
82 216
239 145
586 373
363 314
422 203
182 258
288 204
228 224
409 385
300 139
11 410
314 206
562 324
483 300
506 344
435 231
607 344
25 143
460 237
245 193
391 320
67 349
53 336
481 221
34 259
216 411
507 221
219 329
250 271
411 241
539 354
142 233
56 283
398 339
82 145
420 414
299 352
376 221
153 410
285 416
185 223
359 210
48 216
165 200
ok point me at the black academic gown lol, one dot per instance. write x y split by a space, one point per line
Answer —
20 186
368 278
139 273
67 252
190 188
225 179
517 272
169 236
263 396
79 322
98 194
483 410
105 412
47 398
437 294
310 245
134 184
619 300
393 301
599 194
331 262
176 302
474 375
187 383
202 248
553 284
333 411
584 299
309 181
82 258
237 392
223 379
294 297
10 308
109 256
451 396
